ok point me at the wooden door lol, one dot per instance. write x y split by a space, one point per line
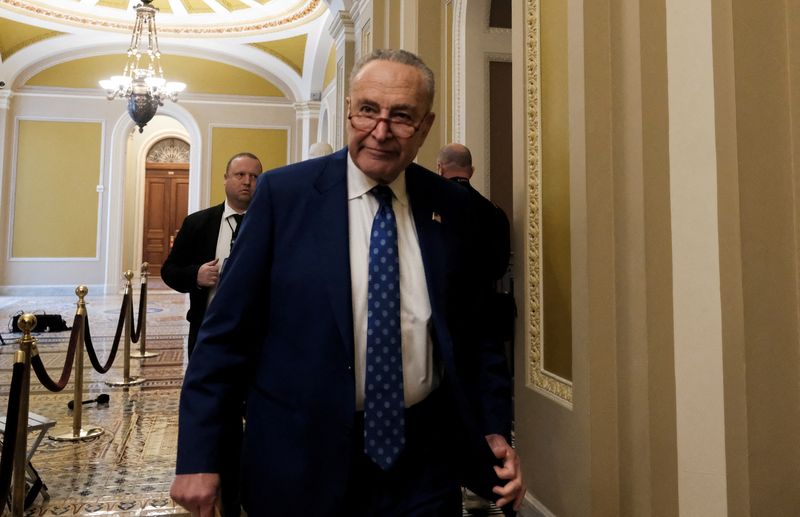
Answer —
166 203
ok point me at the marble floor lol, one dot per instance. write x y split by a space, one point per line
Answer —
127 470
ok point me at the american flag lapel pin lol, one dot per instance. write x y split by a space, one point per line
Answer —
436 217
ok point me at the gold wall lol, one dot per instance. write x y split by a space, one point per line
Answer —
201 75
555 208
270 145
55 197
684 230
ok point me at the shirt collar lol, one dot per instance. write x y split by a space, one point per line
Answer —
229 211
359 183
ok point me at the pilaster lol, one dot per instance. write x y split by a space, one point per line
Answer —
343 33
307 124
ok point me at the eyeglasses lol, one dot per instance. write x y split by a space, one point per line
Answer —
399 127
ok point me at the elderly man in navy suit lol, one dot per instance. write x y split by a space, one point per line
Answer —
350 322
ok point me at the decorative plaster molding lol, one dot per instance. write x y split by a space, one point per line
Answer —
13 191
359 10
307 110
537 375
5 99
169 150
303 14
459 69
342 27
339 113
192 98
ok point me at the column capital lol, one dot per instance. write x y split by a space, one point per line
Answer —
342 27
5 99
307 109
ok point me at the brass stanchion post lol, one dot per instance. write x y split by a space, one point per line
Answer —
77 395
127 379
143 354
27 322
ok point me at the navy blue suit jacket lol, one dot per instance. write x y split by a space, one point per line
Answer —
279 333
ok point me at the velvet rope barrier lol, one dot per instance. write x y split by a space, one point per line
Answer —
90 347
41 371
136 330
140 336
10 432
78 433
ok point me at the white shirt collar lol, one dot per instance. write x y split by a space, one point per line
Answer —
359 183
229 211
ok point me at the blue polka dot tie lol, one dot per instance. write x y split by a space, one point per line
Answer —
384 408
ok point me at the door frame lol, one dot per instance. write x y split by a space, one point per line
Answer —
168 172
141 171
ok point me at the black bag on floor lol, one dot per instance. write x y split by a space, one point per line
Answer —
44 322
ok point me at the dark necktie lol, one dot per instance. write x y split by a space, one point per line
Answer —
384 408
238 218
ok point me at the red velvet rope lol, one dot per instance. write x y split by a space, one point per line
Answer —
137 331
41 371
88 339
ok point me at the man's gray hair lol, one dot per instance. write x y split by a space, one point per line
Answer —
403 57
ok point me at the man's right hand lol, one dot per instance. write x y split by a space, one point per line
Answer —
208 274
196 492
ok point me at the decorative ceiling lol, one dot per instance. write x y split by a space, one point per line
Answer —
176 17
270 38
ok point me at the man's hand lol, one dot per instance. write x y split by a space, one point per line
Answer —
196 492
208 274
514 489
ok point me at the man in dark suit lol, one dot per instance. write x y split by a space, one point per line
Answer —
455 163
204 241
352 327
492 228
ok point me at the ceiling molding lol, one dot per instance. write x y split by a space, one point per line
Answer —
233 23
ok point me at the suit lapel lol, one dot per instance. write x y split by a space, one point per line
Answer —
331 231
212 234
427 220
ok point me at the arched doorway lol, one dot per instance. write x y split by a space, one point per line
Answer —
166 199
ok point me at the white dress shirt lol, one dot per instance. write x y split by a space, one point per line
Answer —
419 377
226 227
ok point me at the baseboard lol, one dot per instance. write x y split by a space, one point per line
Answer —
46 290
532 507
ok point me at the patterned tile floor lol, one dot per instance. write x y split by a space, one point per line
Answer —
126 471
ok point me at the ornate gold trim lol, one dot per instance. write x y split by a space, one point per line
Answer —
538 377
83 20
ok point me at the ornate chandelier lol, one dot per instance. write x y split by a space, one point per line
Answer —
142 82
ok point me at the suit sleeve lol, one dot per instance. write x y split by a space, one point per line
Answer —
180 269
501 235
215 383
490 368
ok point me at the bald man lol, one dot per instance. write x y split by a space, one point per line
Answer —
455 163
